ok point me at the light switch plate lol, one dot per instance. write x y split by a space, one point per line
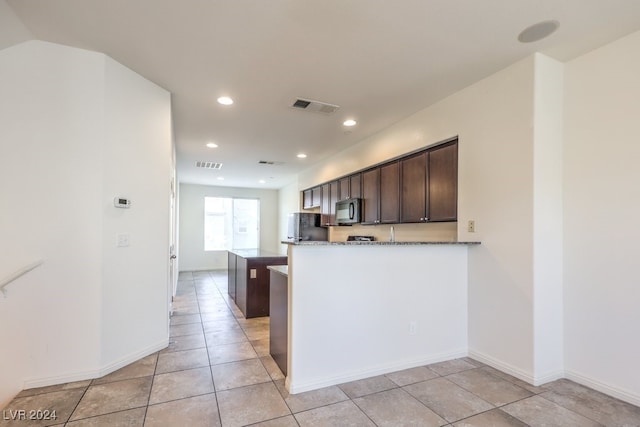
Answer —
122 240
253 273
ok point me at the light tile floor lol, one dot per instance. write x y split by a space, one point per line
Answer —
217 371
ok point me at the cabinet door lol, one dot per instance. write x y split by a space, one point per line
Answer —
324 203
390 193
328 205
316 196
355 181
333 199
307 199
413 201
370 196
344 188
443 183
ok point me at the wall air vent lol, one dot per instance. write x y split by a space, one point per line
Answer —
270 162
315 106
208 165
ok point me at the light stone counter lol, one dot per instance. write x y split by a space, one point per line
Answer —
374 243
282 269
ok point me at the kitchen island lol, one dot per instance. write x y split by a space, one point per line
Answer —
248 279
361 309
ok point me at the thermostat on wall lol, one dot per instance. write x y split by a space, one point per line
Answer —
121 202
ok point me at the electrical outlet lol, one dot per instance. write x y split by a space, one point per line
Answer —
471 226
413 327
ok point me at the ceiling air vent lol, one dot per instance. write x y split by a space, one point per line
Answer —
208 165
270 162
315 106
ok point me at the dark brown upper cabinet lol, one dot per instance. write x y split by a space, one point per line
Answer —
345 188
430 185
413 198
355 185
307 201
442 181
418 187
329 197
316 196
311 197
349 187
381 194
370 196
390 193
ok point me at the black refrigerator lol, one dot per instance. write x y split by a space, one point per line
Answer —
306 226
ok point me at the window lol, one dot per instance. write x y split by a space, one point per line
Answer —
231 223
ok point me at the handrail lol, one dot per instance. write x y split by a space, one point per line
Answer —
24 270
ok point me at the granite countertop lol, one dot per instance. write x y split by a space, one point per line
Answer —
375 243
282 269
255 253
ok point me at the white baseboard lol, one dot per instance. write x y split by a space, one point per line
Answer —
585 380
528 377
94 373
297 387
617 392
133 357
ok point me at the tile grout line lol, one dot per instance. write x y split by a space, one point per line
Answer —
570 410
75 408
208 355
213 381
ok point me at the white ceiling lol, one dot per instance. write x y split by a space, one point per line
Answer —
379 60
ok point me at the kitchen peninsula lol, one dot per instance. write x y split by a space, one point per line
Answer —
360 309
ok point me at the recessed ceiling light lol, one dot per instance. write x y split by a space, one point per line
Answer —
538 31
349 122
225 100
212 145
221 178
302 156
262 181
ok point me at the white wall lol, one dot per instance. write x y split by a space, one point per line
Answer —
193 257
51 127
354 321
602 207
58 176
137 165
547 226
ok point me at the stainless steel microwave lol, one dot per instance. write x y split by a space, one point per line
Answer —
348 211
